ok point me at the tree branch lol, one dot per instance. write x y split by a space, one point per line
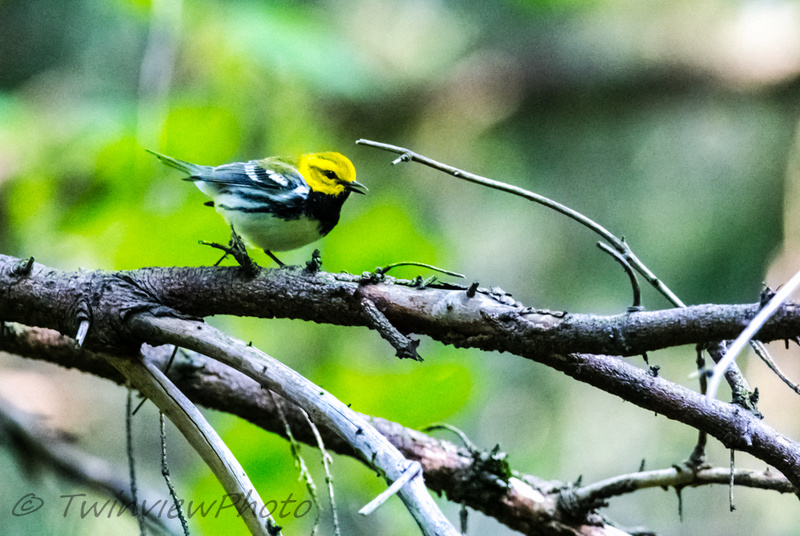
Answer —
523 502
323 408
487 320
187 418
479 318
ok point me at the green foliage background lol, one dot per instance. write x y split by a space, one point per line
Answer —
578 100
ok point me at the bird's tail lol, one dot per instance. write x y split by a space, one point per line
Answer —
180 165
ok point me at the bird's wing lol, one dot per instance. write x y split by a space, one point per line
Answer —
266 174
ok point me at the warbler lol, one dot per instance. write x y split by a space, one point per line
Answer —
276 203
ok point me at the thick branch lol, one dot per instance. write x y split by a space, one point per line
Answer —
526 504
735 427
487 320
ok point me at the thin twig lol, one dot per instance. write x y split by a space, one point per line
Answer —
326 461
411 470
299 462
732 481
166 371
129 443
165 472
205 440
698 455
618 243
384 269
637 292
678 477
405 347
762 352
749 332
323 407
450 428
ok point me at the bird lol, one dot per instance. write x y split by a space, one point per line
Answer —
276 203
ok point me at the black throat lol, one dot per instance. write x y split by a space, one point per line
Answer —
326 209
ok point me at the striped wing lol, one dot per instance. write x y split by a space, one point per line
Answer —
258 186
264 174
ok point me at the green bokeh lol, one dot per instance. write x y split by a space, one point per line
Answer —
570 99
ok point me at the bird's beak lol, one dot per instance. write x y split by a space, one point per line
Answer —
356 187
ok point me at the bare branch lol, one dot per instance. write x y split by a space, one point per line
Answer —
679 477
525 503
619 244
449 469
732 373
49 298
205 440
321 406
488 320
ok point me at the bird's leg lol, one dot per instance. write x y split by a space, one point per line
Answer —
216 245
237 249
315 263
221 258
239 252
274 258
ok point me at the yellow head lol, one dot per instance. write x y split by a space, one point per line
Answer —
329 173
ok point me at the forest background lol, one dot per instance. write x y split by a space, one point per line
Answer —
672 123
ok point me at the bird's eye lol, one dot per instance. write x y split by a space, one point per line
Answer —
330 174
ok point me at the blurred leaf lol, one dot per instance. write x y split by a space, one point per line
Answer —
385 233
296 42
203 133
418 395
267 460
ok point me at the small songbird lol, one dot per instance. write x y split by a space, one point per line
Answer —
277 204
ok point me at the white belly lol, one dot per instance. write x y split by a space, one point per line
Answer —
270 233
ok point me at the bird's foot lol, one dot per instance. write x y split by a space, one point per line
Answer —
238 251
315 263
